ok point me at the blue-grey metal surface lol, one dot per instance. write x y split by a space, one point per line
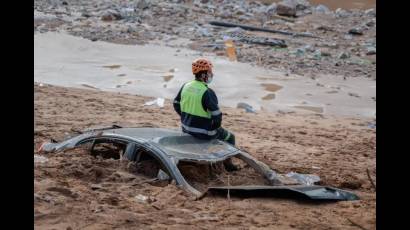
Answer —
314 192
172 142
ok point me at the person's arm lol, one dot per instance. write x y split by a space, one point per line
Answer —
210 103
177 100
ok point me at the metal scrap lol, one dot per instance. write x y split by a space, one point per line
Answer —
252 28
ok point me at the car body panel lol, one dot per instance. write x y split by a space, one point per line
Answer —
169 146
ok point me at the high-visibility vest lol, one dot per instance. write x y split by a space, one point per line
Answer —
191 99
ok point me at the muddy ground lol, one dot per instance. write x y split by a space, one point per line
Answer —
74 190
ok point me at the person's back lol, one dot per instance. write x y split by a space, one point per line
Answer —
198 108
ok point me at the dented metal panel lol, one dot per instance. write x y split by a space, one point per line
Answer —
171 145
313 192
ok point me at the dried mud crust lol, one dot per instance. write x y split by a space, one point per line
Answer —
202 176
74 189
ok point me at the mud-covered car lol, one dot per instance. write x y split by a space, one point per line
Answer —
169 154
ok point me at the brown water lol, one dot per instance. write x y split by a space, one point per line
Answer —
310 108
112 66
344 4
271 87
270 96
65 60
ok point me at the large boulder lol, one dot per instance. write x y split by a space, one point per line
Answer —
292 7
286 8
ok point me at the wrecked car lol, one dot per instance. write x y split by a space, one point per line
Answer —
168 154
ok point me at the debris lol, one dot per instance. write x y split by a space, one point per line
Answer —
111 15
371 23
141 198
325 53
230 50
252 28
167 77
271 10
370 179
269 96
245 106
286 8
142 4
356 224
371 50
309 48
371 12
318 54
257 40
159 101
343 55
323 28
96 186
283 18
162 175
354 94
88 86
39 159
321 9
356 31
112 66
306 179
301 4
341 13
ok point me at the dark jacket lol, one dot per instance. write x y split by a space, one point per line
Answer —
201 127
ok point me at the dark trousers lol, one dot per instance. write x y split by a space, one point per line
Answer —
224 135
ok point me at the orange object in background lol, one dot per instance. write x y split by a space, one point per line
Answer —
230 50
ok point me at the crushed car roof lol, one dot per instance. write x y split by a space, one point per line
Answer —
172 142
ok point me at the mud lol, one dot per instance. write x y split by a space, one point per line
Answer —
73 189
64 60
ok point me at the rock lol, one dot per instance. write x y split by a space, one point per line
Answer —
309 48
85 14
343 55
245 106
286 8
371 23
356 31
353 94
348 37
323 28
318 54
341 13
271 9
111 15
321 9
325 53
302 4
371 50
142 4
371 12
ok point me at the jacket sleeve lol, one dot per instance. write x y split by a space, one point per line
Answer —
177 100
210 103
